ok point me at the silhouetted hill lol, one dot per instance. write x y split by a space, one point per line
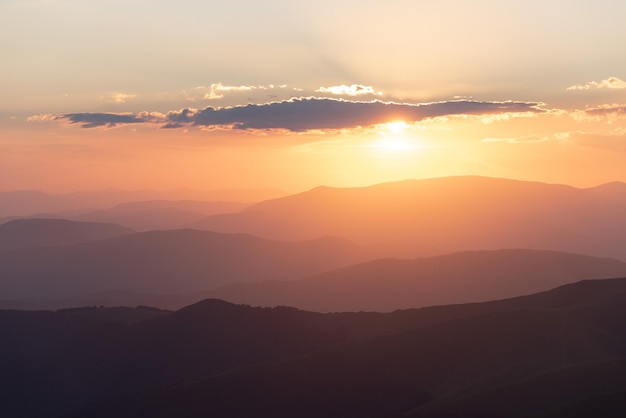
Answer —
524 397
55 361
176 261
390 284
570 347
22 233
605 405
107 298
443 215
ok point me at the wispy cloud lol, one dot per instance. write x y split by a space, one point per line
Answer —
42 117
120 98
608 112
217 91
303 114
518 140
352 90
609 83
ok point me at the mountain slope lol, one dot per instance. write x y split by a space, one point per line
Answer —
389 284
428 370
360 364
55 361
176 261
443 215
22 233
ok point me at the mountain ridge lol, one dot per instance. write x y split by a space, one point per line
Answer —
442 215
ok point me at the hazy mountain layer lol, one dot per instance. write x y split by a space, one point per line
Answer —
24 233
390 284
28 202
436 216
176 261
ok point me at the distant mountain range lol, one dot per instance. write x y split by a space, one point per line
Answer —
436 216
160 214
381 285
389 284
145 215
177 261
29 202
538 355
23 233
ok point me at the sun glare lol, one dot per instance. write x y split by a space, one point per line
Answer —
392 139
396 126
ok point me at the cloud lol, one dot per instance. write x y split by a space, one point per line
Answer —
42 117
180 118
303 114
352 90
216 90
93 120
519 140
122 97
608 112
609 83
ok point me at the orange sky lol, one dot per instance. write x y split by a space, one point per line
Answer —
292 95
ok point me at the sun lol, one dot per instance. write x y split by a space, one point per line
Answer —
392 138
396 126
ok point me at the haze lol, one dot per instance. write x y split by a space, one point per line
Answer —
337 209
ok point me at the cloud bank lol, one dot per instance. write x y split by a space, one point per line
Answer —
303 114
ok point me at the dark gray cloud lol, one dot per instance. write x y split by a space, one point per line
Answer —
93 120
314 113
304 114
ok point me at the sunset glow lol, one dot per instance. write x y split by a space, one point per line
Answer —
274 95
312 209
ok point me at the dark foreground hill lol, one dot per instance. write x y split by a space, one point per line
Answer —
22 233
443 215
508 362
165 262
552 350
390 284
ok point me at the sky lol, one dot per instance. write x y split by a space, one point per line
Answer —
290 94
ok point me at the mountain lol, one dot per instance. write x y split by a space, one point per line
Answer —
537 355
158 262
160 214
443 215
381 285
55 361
389 284
22 233
29 202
